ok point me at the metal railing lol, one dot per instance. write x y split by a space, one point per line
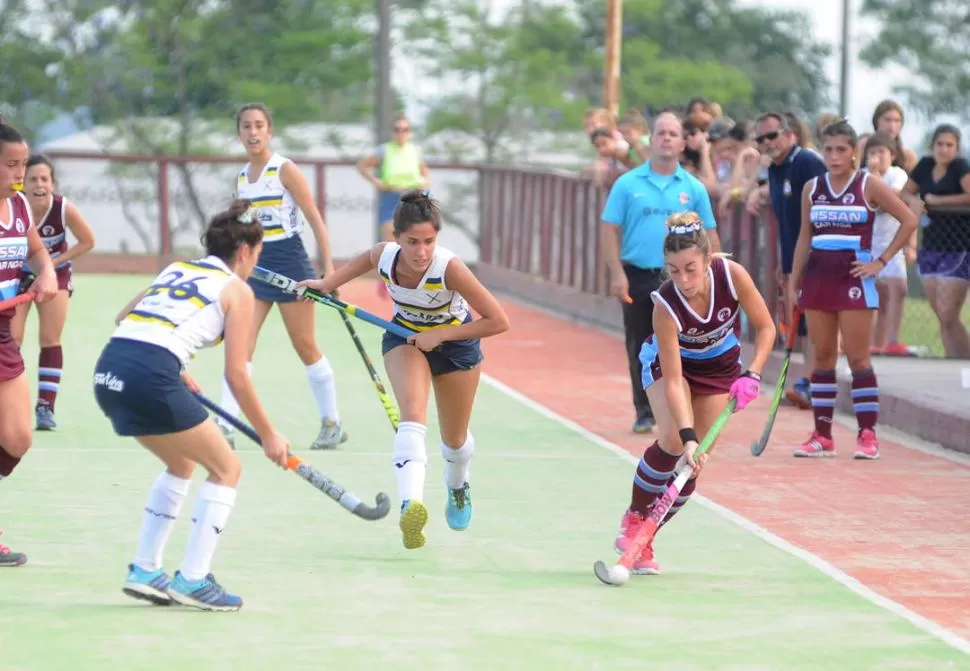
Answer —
538 227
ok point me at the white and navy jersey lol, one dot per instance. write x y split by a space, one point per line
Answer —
432 304
278 211
181 310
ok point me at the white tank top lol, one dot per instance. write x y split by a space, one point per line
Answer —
885 225
432 304
278 211
181 310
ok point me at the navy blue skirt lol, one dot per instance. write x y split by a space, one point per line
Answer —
288 258
137 386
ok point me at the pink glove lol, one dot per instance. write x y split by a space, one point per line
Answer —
745 389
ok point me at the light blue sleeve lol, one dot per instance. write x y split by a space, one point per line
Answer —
702 205
614 212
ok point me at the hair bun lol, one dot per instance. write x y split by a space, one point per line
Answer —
416 196
684 223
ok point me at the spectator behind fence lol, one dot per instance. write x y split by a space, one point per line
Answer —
942 180
400 167
791 168
888 118
891 280
696 157
608 166
633 234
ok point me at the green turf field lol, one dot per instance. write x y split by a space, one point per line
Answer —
325 590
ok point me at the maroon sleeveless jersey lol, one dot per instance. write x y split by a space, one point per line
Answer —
841 221
842 226
710 351
52 228
13 250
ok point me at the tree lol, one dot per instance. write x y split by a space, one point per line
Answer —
929 38
25 87
164 76
507 81
709 48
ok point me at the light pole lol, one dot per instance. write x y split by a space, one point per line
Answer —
611 64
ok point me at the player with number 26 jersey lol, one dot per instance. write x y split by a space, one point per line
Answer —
141 385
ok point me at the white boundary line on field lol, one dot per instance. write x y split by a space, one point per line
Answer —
824 567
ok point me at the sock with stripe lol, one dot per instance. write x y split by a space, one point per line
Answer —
324 388
824 390
681 501
49 366
654 471
212 510
164 502
228 401
865 398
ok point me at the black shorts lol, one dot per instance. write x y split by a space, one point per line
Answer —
450 356
138 387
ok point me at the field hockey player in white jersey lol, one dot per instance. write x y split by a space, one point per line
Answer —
141 385
279 191
429 287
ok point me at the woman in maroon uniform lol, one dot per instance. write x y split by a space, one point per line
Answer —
53 217
692 364
19 243
833 277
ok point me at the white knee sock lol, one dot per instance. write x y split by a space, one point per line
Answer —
324 388
228 401
410 458
457 462
164 502
212 508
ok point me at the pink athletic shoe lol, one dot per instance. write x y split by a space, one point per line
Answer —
867 445
816 446
629 527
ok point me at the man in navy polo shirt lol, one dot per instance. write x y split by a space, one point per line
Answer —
633 231
791 167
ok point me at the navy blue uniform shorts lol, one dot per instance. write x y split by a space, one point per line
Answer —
137 386
450 356
287 257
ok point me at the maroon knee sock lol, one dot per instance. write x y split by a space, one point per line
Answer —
681 500
653 473
49 365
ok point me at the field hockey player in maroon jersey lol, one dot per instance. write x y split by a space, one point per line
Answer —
19 244
834 279
692 365
53 216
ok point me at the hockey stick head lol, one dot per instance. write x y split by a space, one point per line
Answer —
274 279
377 512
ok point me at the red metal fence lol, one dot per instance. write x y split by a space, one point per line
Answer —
529 232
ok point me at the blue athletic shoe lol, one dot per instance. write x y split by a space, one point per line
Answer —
148 586
205 594
458 510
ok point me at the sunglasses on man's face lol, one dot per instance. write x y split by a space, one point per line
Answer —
773 135
401 129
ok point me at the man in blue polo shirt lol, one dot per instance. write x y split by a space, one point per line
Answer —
633 232
791 168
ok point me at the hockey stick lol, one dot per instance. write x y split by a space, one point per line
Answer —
758 447
16 300
289 285
619 573
310 474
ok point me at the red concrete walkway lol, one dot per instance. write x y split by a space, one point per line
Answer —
899 525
